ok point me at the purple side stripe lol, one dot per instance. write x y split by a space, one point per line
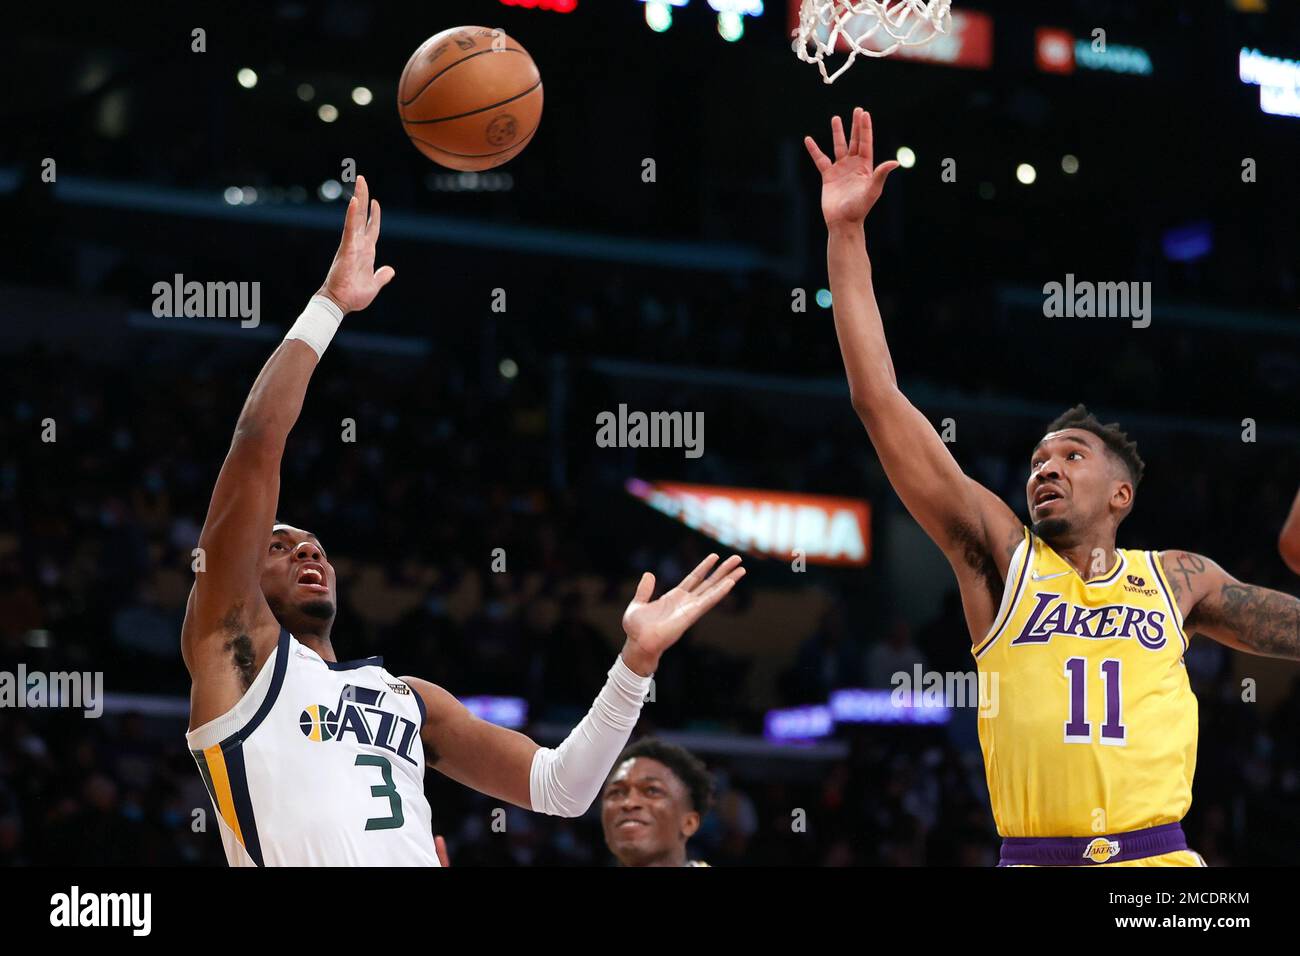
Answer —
1070 851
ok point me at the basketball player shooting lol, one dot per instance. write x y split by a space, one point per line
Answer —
1091 748
313 761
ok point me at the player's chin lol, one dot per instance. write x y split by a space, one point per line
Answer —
1050 529
320 608
631 849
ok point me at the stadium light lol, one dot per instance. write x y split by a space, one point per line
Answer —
1026 174
659 13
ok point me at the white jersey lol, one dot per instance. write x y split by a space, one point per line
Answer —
319 764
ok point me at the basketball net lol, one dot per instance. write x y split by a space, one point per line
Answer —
869 27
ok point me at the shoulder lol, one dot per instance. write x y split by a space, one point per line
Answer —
1191 576
437 703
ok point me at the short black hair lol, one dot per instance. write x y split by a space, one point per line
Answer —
1115 439
689 769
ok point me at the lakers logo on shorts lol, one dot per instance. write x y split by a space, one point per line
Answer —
1100 850
318 722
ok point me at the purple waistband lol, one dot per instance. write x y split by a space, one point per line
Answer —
1088 851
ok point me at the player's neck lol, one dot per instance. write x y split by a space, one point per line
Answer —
320 643
1091 557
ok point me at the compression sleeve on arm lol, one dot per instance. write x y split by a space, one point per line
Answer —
564 781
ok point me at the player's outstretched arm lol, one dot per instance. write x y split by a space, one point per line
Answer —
228 627
1288 542
969 523
563 781
1242 616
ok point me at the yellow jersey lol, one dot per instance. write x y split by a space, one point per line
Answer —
1087 720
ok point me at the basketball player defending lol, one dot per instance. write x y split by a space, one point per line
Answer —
1091 747
312 761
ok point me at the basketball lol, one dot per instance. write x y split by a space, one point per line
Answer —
470 98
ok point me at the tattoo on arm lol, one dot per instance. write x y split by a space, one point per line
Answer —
1263 621
1180 574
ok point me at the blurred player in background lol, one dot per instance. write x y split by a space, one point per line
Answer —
653 803
1091 749
311 761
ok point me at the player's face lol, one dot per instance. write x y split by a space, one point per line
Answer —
646 814
297 577
1072 484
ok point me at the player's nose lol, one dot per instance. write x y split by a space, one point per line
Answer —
307 552
1051 469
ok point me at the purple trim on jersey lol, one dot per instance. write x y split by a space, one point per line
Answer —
1070 851
1015 597
1119 566
1173 608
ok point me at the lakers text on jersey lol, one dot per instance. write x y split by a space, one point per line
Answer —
1094 733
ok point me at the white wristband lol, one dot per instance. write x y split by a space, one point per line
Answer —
564 781
317 324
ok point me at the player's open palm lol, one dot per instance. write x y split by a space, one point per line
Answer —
851 184
353 281
654 626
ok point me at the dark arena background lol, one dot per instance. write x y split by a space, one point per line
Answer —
657 246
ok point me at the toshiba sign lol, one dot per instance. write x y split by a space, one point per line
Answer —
778 524
557 6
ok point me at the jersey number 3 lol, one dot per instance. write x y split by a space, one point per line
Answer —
1077 728
388 789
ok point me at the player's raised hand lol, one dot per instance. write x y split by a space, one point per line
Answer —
353 282
851 184
654 626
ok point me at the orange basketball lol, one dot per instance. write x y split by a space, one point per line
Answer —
470 98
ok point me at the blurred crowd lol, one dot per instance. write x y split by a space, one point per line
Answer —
95 552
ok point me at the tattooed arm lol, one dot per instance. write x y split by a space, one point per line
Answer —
1288 542
1242 616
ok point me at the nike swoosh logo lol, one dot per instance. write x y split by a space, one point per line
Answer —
1046 577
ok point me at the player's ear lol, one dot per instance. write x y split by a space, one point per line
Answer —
691 824
1121 497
